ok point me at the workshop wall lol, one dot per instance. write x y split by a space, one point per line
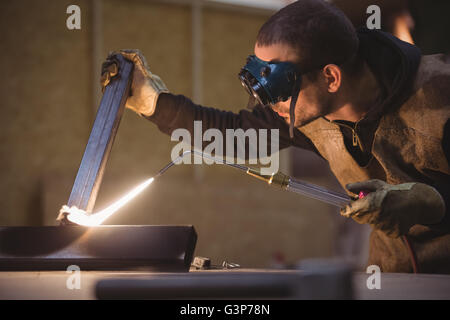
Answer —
47 110
45 89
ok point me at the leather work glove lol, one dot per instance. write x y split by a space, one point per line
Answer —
394 209
145 87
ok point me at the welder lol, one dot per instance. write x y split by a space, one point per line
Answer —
370 104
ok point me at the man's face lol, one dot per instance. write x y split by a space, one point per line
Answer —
314 100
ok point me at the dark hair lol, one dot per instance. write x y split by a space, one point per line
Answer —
317 30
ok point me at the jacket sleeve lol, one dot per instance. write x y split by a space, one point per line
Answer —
177 111
444 187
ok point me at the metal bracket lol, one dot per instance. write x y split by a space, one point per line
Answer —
90 174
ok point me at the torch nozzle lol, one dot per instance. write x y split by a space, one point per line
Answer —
200 154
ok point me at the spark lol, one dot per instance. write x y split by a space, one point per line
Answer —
81 217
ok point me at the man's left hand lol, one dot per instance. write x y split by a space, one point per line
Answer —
394 209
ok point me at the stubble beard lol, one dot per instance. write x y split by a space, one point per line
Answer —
302 118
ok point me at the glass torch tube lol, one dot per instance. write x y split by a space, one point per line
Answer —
318 193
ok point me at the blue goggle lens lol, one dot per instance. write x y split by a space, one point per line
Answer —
269 82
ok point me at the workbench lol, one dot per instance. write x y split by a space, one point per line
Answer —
52 284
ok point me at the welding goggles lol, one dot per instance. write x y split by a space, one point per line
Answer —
270 82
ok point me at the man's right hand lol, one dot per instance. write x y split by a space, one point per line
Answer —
145 87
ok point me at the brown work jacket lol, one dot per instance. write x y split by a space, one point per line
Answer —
406 147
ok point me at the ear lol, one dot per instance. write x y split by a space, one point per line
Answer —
333 77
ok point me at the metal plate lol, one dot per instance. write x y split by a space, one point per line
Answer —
153 248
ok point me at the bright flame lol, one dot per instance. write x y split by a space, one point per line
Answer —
81 217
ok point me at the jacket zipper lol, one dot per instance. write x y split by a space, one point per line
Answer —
355 138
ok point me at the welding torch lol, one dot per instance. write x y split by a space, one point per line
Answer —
72 214
277 179
288 183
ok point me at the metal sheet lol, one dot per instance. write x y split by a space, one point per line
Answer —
90 173
155 248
